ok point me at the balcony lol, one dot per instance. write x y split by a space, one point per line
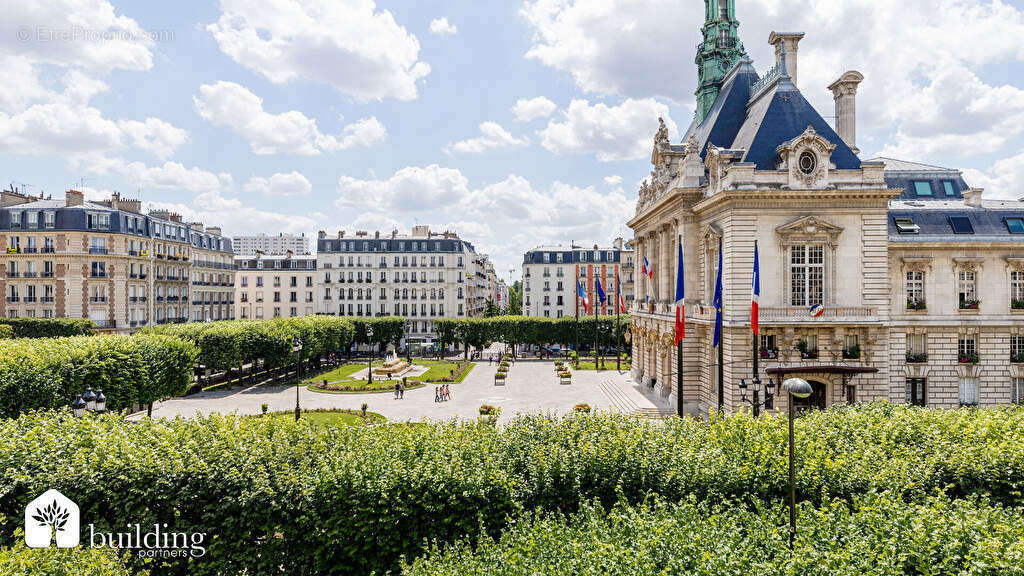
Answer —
11 299
46 299
46 250
97 250
913 358
142 298
159 298
30 299
133 252
48 274
98 275
133 298
13 274
97 299
105 324
133 276
143 276
31 250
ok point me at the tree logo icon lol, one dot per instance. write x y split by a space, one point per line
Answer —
52 520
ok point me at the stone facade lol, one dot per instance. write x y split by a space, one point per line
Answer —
270 286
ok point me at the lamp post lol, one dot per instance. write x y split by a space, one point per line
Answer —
101 401
90 399
754 385
369 347
78 406
89 402
797 388
297 348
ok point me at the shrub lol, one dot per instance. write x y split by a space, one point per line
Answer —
294 493
875 534
83 561
488 410
50 372
48 327
6 332
585 408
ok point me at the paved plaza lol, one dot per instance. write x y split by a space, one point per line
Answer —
532 387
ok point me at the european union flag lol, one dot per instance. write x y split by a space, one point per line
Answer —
600 293
718 299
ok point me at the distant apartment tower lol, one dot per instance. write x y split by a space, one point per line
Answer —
109 262
550 274
271 244
275 285
422 276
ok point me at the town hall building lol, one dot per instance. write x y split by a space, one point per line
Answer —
880 279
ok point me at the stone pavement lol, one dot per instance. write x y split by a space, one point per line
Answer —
532 387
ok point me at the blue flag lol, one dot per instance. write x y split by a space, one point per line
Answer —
718 299
600 293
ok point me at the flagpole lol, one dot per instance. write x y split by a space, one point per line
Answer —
577 349
721 341
756 342
596 302
618 350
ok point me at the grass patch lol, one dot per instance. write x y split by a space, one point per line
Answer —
609 364
332 417
343 372
438 370
360 386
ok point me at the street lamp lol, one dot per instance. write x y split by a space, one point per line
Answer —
369 347
101 401
90 399
297 348
754 385
797 388
78 406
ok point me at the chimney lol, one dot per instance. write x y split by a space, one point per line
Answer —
341 233
844 91
74 198
12 198
215 230
195 226
376 234
786 41
972 197
289 254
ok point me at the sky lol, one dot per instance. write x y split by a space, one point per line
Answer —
515 124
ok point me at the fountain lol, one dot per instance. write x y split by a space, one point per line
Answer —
392 365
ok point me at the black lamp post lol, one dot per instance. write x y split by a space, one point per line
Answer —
797 388
297 348
101 401
754 386
90 399
369 347
78 406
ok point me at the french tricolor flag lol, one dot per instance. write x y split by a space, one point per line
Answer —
582 295
680 300
647 269
756 291
618 290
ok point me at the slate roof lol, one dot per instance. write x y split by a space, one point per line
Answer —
933 218
52 204
778 115
901 175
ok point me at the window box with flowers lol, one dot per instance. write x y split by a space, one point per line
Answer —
917 358
968 358
970 304
769 353
805 352
1017 304
1017 358
916 305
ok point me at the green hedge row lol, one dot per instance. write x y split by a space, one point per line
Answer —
50 372
6 332
23 561
874 534
49 327
533 330
231 344
386 329
278 496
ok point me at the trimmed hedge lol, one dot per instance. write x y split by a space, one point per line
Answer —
477 332
6 332
875 534
49 327
50 372
232 343
83 561
278 496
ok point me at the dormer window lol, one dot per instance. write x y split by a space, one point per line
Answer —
907 226
947 187
961 225
1015 225
922 188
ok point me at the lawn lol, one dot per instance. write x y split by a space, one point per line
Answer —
340 373
333 417
439 369
609 364
359 386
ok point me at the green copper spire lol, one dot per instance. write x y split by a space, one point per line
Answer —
718 53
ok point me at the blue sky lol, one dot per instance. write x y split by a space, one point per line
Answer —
299 115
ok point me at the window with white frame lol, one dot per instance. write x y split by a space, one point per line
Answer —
967 348
916 344
1017 390
917 391
807 275
1017 289
967 287
915 287
968 391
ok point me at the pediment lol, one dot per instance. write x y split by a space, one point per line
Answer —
809 226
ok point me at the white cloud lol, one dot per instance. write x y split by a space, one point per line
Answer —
167 176
492 135
233 105
502 219
1004 180
527 110
441 27
614 133
345 43
281 184
155 135
236 216
919 57
613 180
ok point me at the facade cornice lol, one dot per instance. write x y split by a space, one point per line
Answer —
773 197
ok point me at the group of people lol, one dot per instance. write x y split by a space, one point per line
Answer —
442 393
399 390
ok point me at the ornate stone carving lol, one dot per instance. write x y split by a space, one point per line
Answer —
661 136
809 228
815 173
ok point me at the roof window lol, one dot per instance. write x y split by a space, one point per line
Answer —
961 225
947 187
923 187
907 226
1015 225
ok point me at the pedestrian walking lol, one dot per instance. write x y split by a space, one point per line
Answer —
437 393
396 390
401 390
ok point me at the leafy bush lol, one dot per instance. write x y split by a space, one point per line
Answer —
23 561
278 496
49 327
50 372
6 332
875 534
582 408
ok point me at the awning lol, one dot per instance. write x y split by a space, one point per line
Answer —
821 369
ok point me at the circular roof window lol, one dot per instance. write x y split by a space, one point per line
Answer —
808 162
